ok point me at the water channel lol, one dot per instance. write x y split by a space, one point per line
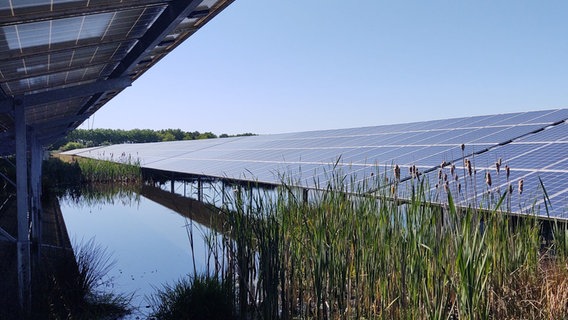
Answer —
148 234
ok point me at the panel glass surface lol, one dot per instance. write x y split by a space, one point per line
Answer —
307 158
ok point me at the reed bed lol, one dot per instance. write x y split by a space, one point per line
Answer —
345 254
123 170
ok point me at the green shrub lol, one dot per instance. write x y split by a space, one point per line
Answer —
201 297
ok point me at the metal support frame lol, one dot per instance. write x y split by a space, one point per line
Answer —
29 157
199 190
3 176
164 24
55 95
23 244
223 193
5 235
36 161
76 11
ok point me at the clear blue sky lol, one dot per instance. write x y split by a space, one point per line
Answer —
288 65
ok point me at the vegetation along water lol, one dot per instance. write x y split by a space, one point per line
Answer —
345 254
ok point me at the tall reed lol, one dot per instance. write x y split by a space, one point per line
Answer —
126 170
344 253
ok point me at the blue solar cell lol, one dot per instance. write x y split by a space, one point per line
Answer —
562 165
505 134
517 118
539 157
558 132
439 136
439 154
552 116
484 121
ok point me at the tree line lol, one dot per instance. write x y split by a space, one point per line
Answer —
84 138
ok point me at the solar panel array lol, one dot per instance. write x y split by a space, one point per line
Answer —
61 60
532 145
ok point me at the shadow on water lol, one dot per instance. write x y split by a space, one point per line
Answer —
70 279
65 282
202 213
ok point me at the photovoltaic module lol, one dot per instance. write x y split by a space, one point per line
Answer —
478 159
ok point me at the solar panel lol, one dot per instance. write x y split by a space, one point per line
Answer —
534 145
61 60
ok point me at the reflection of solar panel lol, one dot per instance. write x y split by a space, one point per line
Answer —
534 145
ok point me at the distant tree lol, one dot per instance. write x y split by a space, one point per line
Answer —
168 136
177 134
142 136
71 146
207 135
97 137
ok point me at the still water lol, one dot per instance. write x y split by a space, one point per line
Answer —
149 243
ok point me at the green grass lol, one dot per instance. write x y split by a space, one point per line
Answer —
77 287
199 297
125 171
64 171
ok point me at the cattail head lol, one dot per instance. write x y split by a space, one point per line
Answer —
397 172
440 174
521 186
447 186
445 177
462 147
507 171
510 188
498 165
453 169
488 178
459 187
413 171
468 166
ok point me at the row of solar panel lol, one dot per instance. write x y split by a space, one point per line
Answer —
424 156
307 158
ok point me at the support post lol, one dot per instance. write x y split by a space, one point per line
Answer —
223 193
250 196
305 195
199 189
36 161
23 246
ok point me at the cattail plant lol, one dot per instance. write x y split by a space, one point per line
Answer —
346 254
397 173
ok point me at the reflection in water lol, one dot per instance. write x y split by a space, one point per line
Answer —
149 240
